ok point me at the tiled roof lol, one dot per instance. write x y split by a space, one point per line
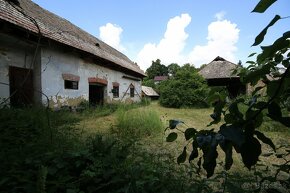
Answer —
160 78
149 91
60 30
218 68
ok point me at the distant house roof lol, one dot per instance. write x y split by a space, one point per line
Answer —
218 68
60 30
160 78
149 91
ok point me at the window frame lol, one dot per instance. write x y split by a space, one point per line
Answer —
71 84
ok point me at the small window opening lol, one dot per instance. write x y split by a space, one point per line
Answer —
115 91
132 93
68 84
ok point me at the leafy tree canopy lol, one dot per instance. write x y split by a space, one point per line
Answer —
148 82
187 88
173 68
157 69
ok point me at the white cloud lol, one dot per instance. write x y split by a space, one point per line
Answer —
222 38
111 34
220 15
170 47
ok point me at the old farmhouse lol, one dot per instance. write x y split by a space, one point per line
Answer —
46 59
219 72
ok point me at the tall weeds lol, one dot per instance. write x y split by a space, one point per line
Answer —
137 123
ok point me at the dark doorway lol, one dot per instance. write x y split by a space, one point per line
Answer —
21 86
96 94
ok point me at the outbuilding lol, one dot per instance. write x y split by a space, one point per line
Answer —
219 72
149 92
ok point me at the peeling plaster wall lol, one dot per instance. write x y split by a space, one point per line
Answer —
17 53
56 62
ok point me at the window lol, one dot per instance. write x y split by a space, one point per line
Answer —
115 91
69 84
132 92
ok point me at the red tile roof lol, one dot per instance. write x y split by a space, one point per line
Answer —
160 78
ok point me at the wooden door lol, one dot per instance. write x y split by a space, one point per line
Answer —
21 86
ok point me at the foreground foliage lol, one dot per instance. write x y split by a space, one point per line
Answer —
243 118
43 151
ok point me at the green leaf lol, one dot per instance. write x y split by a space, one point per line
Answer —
285 121
209 159
252 54
182 157
251 62
189 133
261 36
274 109
286 62
263 5
278 58
265 139
228 149
171 137
254 116
257 89
270 51
272 88
193 155
233 133
250 151
234 110
255 75
174 123
199 166
259 105
229 118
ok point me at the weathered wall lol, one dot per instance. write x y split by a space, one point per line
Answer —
17 53
55 61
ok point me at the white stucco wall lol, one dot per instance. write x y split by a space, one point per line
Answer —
55 62
13 52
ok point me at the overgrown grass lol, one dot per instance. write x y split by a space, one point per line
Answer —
64 156
137 123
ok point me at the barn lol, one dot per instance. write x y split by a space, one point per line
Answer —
45 59
219 72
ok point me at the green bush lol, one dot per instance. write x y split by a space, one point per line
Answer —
137 123
186 89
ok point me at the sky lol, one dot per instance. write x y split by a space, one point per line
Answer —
175 31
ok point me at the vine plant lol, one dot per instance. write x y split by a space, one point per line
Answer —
239 131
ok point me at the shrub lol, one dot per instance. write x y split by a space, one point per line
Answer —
186 89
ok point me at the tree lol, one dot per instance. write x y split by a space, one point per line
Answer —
202 66
173 68
156 69
148 82
240 130
187 89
